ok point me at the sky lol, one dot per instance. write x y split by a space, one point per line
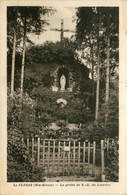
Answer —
65 13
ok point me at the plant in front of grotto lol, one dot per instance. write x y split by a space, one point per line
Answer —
19 165
21 113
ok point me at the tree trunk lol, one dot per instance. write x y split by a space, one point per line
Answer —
98 81
13 58
92 70
107 72
107 78
92 64
13 63
23 58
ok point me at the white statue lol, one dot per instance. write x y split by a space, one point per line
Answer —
62 82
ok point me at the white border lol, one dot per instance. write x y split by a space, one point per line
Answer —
115 187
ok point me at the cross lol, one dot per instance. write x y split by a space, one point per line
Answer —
62 30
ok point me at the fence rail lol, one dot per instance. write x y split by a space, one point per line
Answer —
69 157
66 157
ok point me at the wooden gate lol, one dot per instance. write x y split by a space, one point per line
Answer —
62 157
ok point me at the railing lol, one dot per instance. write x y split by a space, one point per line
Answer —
63 156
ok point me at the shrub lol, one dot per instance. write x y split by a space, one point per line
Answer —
19 166
111 169
21 113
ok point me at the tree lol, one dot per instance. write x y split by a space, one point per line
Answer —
30 20
32 23
96 28
12 20
50 52
13 57
87 35
98 80
110 23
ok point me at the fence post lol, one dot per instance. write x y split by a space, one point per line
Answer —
69 158
94 149
73 157
53 155
32 150
58 157
79 158
102 161
84 145
64 164
48 155
38 152
43 152
88 156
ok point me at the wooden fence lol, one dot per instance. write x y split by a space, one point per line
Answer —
62 157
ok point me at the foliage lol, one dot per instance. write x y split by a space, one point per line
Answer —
19 165
111 169
21 113
39 80
49 52
107 125
35 22
20 122
37 83
23 21
76 111
89 22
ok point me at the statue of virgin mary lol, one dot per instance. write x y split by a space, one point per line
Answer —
62 82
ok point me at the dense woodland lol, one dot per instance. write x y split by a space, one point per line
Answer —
31 103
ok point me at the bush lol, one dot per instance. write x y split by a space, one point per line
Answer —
111 170
19 166
21 113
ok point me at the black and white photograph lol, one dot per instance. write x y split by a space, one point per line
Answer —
63 86
62 94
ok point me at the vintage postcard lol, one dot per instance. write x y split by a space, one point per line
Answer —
63 97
